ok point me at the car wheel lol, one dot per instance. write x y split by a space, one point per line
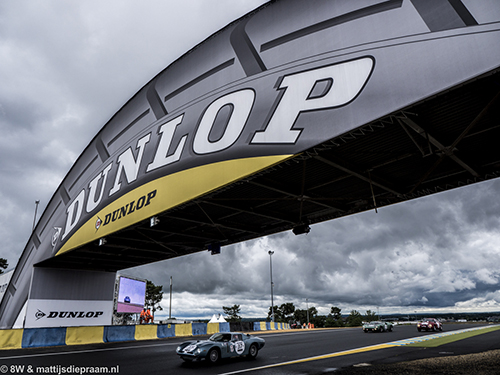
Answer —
253 351
390 329
213 355
419 329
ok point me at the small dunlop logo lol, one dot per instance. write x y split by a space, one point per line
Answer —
98 223
39 314
55 236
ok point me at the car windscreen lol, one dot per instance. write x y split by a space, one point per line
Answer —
218 337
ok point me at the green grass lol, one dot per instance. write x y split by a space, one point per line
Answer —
452 338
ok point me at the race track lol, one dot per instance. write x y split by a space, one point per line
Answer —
288 352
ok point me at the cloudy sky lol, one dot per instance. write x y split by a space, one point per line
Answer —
67 67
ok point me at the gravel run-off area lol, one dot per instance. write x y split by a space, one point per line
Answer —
486 363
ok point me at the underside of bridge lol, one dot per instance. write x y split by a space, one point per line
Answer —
447 141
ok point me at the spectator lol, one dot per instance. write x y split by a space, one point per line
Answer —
143 316
149 316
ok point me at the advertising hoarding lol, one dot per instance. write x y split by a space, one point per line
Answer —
67 313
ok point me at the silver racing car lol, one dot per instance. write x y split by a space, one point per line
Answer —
221 345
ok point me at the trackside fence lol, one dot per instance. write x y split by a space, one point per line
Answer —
60 336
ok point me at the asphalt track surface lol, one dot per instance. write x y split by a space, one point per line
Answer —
286 352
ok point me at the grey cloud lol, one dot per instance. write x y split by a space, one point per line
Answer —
421 254
68 67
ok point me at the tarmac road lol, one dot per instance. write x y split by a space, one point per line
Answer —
288 352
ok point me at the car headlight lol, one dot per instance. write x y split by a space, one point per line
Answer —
198 351
178 348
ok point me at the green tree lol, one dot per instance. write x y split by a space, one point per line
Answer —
127 318
301 315
3 265
282 314
287 309
336 312
154 295
330 322
312 312
278 314
354 319
319 321
232 313
370 316
334 319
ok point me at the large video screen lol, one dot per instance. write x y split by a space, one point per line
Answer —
131 295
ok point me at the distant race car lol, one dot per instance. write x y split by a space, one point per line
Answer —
430 324
126 299
377 326
221 345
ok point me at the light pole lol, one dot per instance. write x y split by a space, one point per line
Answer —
307 307
271 271
170 306
34 218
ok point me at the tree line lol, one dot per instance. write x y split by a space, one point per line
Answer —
288 313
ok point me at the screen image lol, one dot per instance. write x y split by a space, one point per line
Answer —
131 295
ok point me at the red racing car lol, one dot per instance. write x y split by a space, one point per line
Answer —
430 324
